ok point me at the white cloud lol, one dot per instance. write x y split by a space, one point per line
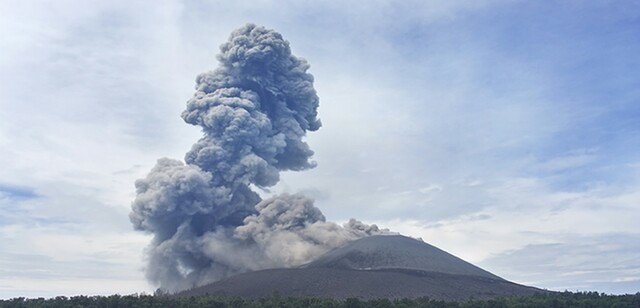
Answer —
433 126
575 235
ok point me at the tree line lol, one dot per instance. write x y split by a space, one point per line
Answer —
556 299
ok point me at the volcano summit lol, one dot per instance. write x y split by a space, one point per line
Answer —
384 266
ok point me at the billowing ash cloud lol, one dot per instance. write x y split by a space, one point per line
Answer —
254 111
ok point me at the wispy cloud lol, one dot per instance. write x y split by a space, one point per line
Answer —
486 128
16 192
606 262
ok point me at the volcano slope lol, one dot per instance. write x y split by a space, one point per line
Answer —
389 266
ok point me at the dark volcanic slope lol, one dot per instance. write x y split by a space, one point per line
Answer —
396 251
344 283
373 267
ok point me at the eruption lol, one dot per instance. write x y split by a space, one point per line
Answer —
207 223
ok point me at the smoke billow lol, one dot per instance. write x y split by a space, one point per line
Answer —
207 223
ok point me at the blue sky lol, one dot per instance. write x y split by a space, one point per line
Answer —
504 132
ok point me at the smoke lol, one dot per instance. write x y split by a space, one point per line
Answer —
254 110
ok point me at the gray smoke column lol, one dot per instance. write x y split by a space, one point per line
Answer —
207 223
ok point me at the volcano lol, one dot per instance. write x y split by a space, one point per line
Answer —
388 266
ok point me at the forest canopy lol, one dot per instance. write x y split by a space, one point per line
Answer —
560 299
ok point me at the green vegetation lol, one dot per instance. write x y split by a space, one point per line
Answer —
564 299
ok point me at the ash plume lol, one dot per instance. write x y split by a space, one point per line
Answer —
207 224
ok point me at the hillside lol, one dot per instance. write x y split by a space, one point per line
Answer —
373 267
396 252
